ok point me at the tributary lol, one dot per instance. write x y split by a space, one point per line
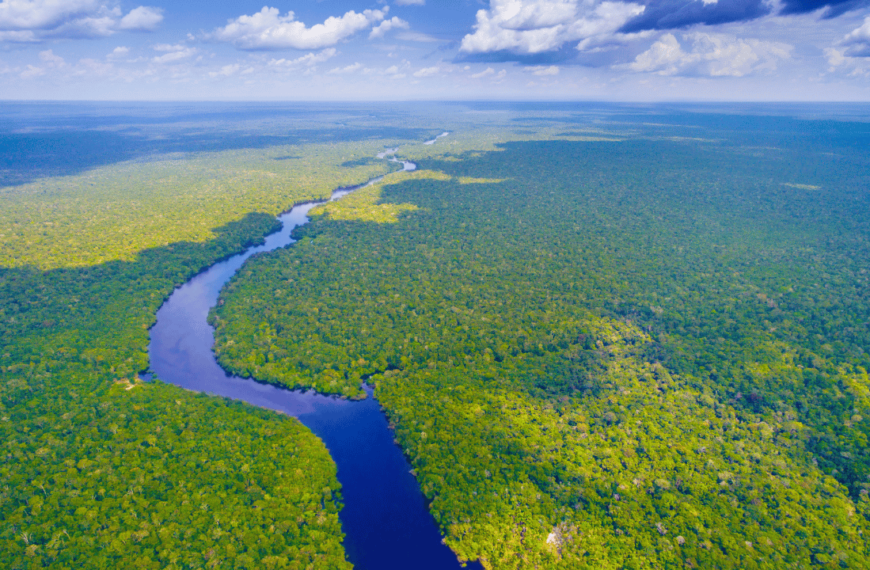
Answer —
384 517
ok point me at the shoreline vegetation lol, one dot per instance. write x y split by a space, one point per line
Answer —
651 353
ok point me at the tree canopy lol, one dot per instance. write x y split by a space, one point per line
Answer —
629 354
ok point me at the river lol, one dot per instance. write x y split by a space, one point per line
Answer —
384 517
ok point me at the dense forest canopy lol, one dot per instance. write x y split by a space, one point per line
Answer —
637 353
99 468
605 336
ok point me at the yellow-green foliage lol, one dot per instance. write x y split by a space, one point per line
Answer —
114 212
472 180
364 205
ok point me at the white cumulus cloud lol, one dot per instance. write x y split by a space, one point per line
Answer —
387 25
269 30
142 19
49 58
398 71
38 20
118 52
714 55
852 53
173 53
308 60
857 42
536 26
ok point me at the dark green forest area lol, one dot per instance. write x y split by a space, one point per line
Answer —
640 354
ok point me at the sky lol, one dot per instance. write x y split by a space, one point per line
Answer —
359 50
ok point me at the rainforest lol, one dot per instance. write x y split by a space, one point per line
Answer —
603 336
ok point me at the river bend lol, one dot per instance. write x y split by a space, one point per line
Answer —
384 517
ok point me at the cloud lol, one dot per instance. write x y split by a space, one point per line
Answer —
831 8
19 15
852 53
857 42
93 68
484 73
49 58
268 30
713 55
118 52
387 25
20 37
427 71
347 69
142 19
49 61
528 27
397 71
410 2
226 70
417 37
853 66
673 14
543 70
173 53
39 20
168 47
32 71
307 60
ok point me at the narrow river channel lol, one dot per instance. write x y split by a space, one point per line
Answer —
384 518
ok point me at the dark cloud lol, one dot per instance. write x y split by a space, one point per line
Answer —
833 8
673 14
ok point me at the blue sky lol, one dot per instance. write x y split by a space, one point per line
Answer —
628 50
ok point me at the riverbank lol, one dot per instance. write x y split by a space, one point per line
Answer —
384 517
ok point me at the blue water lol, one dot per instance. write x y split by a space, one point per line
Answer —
384 518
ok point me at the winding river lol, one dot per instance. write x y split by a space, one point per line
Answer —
384 517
